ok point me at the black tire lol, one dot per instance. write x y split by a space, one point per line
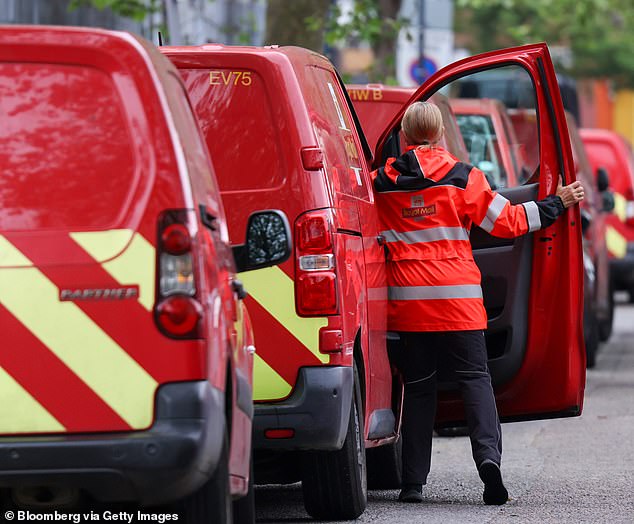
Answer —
211 504
605 326
244 507
334 483
385 466
591 337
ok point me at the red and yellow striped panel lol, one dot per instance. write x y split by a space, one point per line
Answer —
284 341
87 365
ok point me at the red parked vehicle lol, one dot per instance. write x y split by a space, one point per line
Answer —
126 363
611 152
376 105
283 133
595 210
491 141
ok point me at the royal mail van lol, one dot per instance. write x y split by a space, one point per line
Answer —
611 152
126 355
283 133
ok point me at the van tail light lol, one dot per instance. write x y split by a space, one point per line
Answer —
177 312
315 271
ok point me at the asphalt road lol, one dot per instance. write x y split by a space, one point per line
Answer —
557 471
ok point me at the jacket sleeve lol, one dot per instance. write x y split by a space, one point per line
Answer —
496 215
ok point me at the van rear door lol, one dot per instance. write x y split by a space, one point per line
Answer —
83 143
533 286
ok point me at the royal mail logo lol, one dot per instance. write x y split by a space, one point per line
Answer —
111 293
413 212
418 201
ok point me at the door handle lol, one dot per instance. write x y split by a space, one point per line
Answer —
238 288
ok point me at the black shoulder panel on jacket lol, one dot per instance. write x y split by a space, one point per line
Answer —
457 176
383 183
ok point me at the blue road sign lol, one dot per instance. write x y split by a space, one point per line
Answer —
421 70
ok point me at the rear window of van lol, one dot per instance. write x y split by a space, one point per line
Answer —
240 127
66 160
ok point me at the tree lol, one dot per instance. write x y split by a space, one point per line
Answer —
286 23
376 22
135 9
597 32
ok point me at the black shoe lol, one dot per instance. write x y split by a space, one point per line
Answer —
495 493
411 494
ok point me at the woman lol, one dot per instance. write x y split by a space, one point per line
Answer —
428 201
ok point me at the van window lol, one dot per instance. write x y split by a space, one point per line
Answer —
234 109
66 159
480 138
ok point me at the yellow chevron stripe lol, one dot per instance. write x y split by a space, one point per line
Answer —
80 343
267 384
616 243
20 412
620 206
275 291
136 265
103 245
11 257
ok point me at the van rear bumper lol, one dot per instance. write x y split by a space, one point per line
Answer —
164 463
622 270
317 411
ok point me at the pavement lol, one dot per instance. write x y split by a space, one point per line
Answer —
565 471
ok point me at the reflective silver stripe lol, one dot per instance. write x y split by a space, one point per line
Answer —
495 208
434 292
532 215
426 235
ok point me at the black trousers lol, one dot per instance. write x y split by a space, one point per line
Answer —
460 356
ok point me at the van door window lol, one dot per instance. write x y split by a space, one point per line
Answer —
67 156
236 102
513 87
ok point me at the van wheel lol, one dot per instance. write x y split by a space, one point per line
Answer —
211 504
334 483
591 336
385 466
244 508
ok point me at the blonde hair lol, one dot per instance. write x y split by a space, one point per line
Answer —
422 123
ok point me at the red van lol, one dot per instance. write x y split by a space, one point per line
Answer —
127 353
284 134
491 139
610 151
599 299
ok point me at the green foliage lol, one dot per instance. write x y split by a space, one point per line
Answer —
597 32
374 22
135 9
365 24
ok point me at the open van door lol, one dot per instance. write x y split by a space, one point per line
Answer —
532 285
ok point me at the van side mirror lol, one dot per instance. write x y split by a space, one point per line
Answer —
586 220
268 241
607 198
603 180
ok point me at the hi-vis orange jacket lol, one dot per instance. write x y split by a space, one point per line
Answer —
428 201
